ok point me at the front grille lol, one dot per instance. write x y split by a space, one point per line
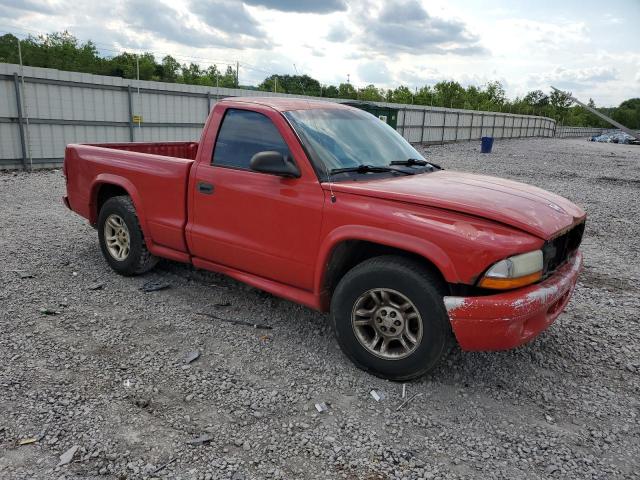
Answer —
557 251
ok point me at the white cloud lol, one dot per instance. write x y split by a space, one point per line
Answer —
338 33
577 78
406 26
374 72
388 42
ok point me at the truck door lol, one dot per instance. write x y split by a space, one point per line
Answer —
254 222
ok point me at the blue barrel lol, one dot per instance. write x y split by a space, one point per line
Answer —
487 145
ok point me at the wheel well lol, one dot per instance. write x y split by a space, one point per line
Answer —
105 192
350 253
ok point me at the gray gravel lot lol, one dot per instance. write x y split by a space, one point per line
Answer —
106 373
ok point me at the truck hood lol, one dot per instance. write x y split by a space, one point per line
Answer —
522 206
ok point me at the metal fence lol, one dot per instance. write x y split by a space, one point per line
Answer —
42 110
564 131
440 125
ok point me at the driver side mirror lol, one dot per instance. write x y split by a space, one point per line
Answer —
274 163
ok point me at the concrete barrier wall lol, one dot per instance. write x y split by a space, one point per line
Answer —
42 110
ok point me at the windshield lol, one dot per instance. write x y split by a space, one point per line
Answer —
342 139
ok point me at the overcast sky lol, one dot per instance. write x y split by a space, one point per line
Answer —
579 45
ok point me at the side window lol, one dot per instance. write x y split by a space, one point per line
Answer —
242 135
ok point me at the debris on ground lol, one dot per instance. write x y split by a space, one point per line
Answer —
49 311
28 441
201 440
222 304
321 407
613 137
259 326
162 467
407 401
67 456
24 274
377 396
142 402
191 357
96 286
154 286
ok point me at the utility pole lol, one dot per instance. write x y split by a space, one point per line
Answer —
348 77
138 93
24 105
601 115
237 74
275 84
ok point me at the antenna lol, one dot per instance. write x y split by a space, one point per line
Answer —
327 171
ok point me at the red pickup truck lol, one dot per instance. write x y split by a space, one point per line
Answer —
327 206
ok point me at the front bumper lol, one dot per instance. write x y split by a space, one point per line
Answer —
510 319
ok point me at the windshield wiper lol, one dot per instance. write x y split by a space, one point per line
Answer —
417 162
362 169
410 161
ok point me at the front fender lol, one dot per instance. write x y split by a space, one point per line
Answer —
402 241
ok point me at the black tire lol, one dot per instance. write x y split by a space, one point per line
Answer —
138 260
418 284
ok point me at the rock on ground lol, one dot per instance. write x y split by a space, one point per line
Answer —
106 372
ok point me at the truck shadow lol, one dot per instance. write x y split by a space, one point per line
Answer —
458 368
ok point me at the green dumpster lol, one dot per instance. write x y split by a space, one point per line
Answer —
386 114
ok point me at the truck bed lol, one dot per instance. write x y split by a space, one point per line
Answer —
186 150
156 175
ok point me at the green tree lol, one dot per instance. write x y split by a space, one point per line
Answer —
229 79
401 94
9 49
495 94
191 73
560 100
274 83
168 70
346 90
424 96
536 98
371 93
61 50
126 65
295 84
451 94
330 91
628 113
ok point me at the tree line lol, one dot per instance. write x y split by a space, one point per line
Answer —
64 52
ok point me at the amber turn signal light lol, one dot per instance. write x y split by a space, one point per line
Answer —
510 283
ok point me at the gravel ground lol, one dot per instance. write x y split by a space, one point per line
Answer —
106 375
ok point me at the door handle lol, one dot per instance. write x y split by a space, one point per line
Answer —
205 188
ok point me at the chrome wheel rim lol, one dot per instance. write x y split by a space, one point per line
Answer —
387 324
116 237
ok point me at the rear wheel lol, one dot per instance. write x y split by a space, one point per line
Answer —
390 319
121 238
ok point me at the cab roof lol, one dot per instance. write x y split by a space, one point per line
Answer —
283 104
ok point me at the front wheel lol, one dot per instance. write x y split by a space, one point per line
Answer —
121 238
390 319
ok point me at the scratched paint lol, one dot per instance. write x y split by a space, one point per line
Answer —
453 303
509 319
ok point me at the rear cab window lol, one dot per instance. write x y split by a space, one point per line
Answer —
244 133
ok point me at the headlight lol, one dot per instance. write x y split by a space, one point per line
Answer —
514 272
